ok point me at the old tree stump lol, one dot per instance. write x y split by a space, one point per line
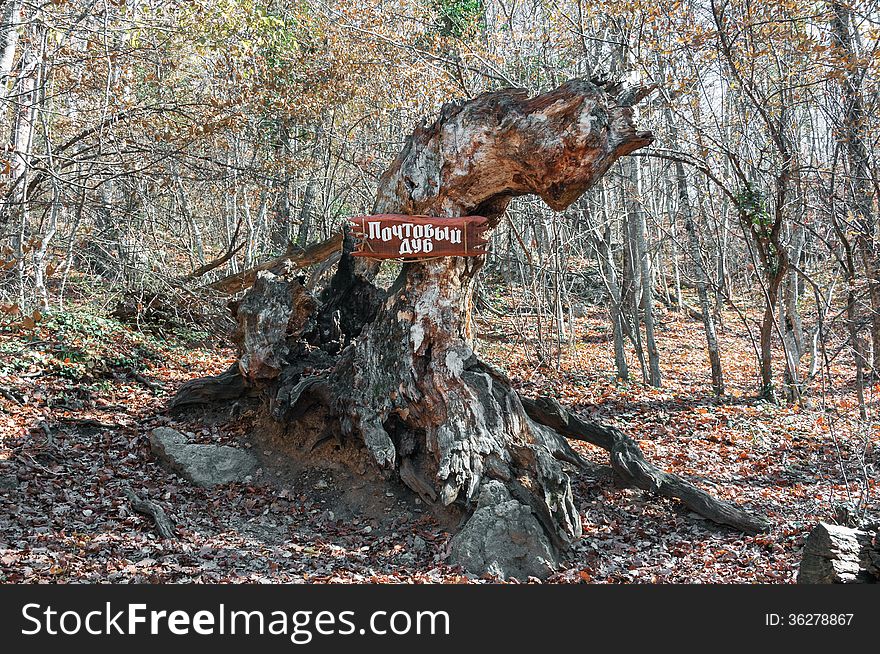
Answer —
394 373
834 554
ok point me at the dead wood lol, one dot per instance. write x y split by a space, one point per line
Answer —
840 555
294 255
151 510
226 386
401 378
216 263
630 464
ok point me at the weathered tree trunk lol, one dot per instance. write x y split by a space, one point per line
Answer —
397 370
412 367
840 555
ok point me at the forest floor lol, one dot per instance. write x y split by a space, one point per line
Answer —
79 396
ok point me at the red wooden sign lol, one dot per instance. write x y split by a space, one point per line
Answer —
391 236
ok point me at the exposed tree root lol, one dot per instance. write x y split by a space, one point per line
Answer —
630 464
397 370
226 386
152 510
301 392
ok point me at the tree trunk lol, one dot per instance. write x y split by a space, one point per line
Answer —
631 285
24 119
415 363
606 261
640 258
306 211
676 269
282 227
701 278
849 271
397 370
768 389
701 281
840 555
790 319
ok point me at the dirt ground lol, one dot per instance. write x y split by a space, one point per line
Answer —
70 443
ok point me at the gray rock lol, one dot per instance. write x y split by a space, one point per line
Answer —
504 538
419 544
204 465
8 482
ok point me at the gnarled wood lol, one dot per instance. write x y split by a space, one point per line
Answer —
295 256
226 386
840 555
403 386
397 368
277 308
152 510
630 464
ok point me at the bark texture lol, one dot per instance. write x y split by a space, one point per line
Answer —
840 555
299 257
408 386
631 466
276 310
396 368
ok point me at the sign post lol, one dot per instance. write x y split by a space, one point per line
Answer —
393 236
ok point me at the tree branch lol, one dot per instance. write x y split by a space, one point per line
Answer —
629 462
